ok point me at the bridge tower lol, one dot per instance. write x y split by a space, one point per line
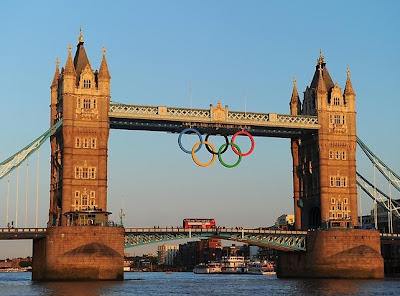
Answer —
78 244
81 98
324 164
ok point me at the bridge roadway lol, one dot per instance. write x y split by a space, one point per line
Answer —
276 239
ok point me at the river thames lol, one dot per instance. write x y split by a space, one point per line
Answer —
187 283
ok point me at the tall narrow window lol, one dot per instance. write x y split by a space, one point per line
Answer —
77 142
85 173
92 173
78 103
94 104
77 173
332 182
84 200
94 143
330 154
337 155
344 155
86 103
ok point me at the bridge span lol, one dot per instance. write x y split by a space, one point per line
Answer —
283 240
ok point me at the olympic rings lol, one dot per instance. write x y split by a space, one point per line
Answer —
226 145
251 139
194 157
220 157
184 132
210 147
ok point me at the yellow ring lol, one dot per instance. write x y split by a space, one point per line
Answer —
194 157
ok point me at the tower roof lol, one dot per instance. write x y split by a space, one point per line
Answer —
321 84
80 59
103 71
325 74
69 65
348 89
295 93
56 73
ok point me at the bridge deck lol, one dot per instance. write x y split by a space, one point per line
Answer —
216 119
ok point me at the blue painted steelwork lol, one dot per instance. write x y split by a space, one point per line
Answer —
276 239
391 176
8 165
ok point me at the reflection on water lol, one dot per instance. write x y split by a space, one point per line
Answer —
179 283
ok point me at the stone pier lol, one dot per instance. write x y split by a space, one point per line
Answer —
79 253
341 253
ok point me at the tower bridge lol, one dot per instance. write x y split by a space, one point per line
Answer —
322 131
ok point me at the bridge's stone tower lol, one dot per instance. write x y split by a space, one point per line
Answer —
324 164
78 244
81 98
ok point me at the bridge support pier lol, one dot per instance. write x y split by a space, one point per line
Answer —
335 253
79 253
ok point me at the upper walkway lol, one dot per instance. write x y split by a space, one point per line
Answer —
171 119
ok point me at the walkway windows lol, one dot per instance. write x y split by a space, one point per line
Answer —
86 103
338 181
86 142
337 154
85 173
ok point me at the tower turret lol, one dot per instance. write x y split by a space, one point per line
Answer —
295 104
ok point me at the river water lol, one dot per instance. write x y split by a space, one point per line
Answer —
187 283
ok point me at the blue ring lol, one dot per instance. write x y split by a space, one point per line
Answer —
184 132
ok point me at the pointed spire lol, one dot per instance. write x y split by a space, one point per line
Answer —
80 38
103 71
69 65
56 73
295 93
295 106
348 89
321 87
321 58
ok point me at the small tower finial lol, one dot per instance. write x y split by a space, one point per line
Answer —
104 51
80 39
294 81
57 62
320 68
69 48
348 72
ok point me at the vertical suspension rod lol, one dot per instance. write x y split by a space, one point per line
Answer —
26 194
17 198
8 200
37 188
375 203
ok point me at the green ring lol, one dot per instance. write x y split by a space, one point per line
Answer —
220 157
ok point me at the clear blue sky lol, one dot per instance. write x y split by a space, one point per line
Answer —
154 50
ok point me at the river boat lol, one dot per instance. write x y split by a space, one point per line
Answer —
233 264
211 267
262 268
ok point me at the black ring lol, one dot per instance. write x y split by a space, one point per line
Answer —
216 153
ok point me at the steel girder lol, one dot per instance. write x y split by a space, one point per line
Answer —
281 240
8 165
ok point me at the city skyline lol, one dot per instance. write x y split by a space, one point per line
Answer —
244 55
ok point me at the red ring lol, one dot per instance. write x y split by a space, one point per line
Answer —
251 139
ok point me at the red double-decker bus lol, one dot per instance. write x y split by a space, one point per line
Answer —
199 223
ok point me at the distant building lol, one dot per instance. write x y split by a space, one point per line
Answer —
166 254
285 222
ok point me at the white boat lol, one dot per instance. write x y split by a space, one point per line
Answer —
212 267
201 268
263 268
233 264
